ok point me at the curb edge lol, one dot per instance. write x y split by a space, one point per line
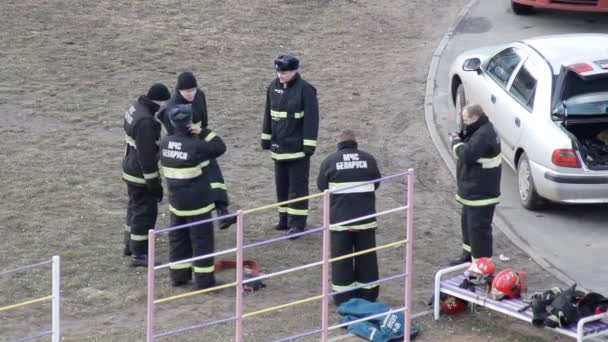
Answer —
429 113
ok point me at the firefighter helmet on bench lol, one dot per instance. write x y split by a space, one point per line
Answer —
506 284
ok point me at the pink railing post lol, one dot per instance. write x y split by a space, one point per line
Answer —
151 285
409 248
325 278
239 275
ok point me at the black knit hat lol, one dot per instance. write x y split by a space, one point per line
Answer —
181 115
186 80
158 92
286 63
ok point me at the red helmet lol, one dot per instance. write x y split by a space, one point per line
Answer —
452 305
480 270
506 284
483 266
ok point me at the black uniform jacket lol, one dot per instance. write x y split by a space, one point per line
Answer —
142 133
478 167
291 119
199 110
182 156
347 167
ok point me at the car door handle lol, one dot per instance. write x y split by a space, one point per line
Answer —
493 99
517 122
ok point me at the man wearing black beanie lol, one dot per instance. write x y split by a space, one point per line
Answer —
140 171
188 92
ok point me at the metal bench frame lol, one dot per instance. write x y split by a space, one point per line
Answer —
587 327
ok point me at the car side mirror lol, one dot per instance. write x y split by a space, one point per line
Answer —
472 64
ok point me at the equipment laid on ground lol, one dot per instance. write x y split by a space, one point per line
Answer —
251 270
380 329
596 324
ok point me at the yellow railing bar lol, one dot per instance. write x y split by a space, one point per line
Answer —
194 293
29 302
302 301
388 245
342 257
249 211
282 306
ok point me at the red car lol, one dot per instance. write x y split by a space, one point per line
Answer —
527 6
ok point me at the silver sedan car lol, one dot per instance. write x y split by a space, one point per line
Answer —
548 98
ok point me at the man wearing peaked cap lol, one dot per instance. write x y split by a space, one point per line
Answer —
289 131
140 171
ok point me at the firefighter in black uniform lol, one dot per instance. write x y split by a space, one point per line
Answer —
190 197
347 167
478 171
290 128
140 171
187 92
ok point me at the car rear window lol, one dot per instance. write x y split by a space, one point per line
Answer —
588 104
575 85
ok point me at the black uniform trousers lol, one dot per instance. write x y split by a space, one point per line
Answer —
476 223
291 179
191 242
218 187
142 211
352 272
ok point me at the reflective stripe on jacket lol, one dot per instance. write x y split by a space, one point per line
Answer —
478 164
291 119
183 158
142 133
349 169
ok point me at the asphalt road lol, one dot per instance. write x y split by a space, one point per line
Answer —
570 241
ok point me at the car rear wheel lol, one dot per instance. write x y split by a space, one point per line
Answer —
521 9
529 198
461 101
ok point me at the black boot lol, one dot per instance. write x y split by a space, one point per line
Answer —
227 222
281 227
139 260
465 257
205 281
293 231
127 250
179 283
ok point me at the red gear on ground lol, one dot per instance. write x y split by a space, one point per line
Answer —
452 305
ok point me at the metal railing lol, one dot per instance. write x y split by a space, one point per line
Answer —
327 260
55 299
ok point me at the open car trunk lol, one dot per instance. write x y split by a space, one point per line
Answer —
591 140
584 114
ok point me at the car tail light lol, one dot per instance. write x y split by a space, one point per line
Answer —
580 68
565 158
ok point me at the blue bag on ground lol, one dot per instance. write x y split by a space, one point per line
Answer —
379 329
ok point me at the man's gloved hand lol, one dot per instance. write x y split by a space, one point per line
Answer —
308 151
265 144
155 188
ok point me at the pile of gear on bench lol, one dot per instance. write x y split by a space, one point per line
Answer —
552 308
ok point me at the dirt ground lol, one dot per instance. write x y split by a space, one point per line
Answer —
69 70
